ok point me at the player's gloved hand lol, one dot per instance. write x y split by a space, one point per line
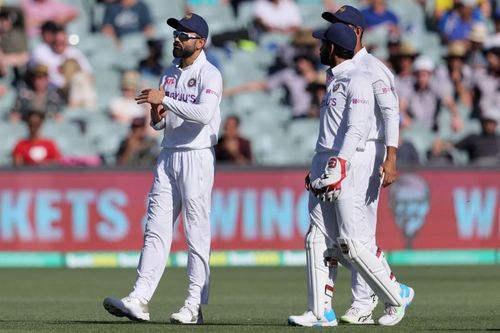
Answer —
307 181
328 186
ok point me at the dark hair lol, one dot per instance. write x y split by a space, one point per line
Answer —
305 56
343 52
235 117
50 26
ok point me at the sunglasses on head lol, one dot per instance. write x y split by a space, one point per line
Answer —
184 36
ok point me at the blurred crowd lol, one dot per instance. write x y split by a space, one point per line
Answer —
69 71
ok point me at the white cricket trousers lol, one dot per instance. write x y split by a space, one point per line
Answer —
354 214
183 181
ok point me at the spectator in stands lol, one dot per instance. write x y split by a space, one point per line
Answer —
475 56
439 154
124 108
303 43
79 88
55 56
151 65
294 80
317 89
407 153
402 63
13 43
277 16
484 148
48 32
487 80
37 12
231 147
455 75
496 19
423 101
38 95
377 14
137 149
127 17
457 23
35 150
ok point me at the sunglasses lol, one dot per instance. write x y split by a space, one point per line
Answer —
184 36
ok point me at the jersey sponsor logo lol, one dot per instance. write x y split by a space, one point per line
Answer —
386 90
170 81
182 97
332 101
210 91
191 82
359 101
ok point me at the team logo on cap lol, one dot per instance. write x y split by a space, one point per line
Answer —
342 9
191 82
188 16
336 87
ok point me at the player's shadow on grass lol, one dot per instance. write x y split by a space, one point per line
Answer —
460 329
128 322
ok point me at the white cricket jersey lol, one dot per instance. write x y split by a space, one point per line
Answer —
347 111
386 122
192 99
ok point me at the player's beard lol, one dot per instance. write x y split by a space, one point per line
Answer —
326 53
183 51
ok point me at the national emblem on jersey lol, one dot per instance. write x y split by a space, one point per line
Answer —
191 82
332 162
336 87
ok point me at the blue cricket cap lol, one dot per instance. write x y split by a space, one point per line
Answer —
191 22
338 34
346 14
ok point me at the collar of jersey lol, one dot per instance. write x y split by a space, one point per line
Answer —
342 68
361 53
197 62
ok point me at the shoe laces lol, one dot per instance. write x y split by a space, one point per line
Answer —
390 310
191 309
353 311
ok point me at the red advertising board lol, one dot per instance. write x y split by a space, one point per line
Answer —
256 209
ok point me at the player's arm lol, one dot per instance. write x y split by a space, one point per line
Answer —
387 100
359 105
202 113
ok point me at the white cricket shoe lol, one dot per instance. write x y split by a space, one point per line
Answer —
394 314
188 314
130 307
309 319
357 316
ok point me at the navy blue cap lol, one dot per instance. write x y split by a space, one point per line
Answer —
346 14
191 22
338 34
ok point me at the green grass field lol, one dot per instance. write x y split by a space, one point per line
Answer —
448 299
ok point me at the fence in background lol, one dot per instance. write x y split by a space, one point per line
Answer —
95 218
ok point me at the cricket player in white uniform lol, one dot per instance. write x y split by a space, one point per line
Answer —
369 167
346 116
381 160
186 108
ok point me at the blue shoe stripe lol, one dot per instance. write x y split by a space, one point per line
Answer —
330 315
405 291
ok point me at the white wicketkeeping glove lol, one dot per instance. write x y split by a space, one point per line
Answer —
327 187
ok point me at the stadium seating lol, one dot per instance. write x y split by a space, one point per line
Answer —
264 119
11 133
